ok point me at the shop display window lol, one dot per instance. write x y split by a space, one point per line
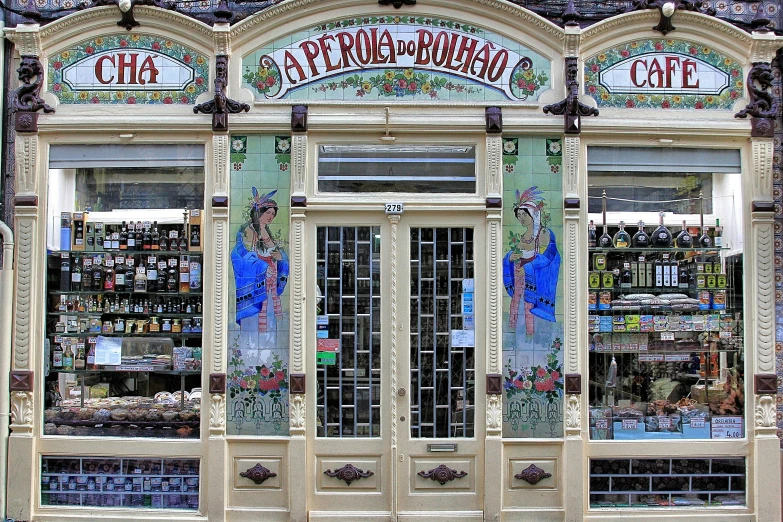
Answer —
425 169
120 482
667 482
125 311
665 301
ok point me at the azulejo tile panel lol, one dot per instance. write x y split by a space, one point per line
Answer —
128 69
663 74
388 58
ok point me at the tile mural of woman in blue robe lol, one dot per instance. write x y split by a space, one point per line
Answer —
532 266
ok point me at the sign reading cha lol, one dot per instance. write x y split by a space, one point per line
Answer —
128 70
666 73
391 46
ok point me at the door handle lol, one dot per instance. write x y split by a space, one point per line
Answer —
401 392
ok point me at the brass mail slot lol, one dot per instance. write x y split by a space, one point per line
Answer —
441 447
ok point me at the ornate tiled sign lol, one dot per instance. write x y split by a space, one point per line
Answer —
128 69
663 74
396 58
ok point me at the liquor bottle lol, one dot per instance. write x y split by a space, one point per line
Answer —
76 275
115 238
87 274
184 275
80 361
100 241
704 240
667 271
195 237
119 274
152 274
183 241
621 239
57 356
91 357
130 272
195 273
592 236
79 238
675 268
146 240
640 239
131 236
97 274
163 244
718 239
661 237
605 241
155 237
683 239
683 277
68 358
172 276
107 238
140 281
625 277
162 275
124 237
658 266
173 239
65 271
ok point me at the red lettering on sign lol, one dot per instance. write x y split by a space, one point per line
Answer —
655 74
99 68
148 68
634 75
688 70
423 47
289 62
310 50
498 65
130 66
363 47
465 53
440 49
325 48
346 46
671 68
387 41
483 57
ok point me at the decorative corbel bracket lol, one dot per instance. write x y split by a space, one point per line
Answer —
761 105
27 98
397 3
570 107
221 106
667 8
349 473
532 475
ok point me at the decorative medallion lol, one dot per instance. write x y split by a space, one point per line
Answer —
396 57
532 475
258 474
665 74
131 69
442 474
349 473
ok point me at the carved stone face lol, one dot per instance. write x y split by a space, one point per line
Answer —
29 68
221 67
572 69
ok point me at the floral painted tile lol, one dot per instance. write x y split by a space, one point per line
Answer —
128 69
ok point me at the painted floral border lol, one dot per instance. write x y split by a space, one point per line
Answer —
186 96
609 57
404 20
543 381
553 152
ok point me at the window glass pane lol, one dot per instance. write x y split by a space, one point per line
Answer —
665 302
397 168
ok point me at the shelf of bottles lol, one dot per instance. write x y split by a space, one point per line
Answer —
664 334
115 482
124 322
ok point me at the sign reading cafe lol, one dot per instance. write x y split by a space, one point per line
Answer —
463 56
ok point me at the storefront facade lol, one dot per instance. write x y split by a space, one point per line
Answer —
382 272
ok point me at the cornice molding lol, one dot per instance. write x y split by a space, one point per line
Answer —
525 16
262 16
26 38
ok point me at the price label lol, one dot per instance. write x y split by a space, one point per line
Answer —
630 424
394 208
726 427
65 255
602 424
697 423
120 259
667 336
664 423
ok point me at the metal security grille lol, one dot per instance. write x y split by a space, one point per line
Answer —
349 321
442 375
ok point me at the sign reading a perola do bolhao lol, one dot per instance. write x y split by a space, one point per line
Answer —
663 74
128 69
392 57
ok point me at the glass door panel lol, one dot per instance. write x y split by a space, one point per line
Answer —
348 350
442 364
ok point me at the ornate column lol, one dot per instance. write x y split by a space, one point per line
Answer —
394 220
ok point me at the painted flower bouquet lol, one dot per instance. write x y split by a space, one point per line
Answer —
544 381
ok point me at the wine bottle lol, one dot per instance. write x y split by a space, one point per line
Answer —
621 239
661 237
184 275
718 239
172 276
704 238
91 357
131 236
152 274
97 274
81 359
146 239
163 244
625 277
658 265
68 358
119 274
130 272
76 275
592 237
87 274
140 281
65 272
155 237
124 237
57 356
640 239
683 239
605 241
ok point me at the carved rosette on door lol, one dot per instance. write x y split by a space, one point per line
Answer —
349 473
442 474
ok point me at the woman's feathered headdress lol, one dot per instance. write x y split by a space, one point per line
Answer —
258 200
531 198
